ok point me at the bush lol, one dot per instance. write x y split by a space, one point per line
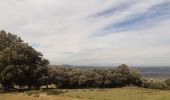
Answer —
167 82
155 84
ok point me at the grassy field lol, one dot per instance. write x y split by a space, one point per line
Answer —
127 93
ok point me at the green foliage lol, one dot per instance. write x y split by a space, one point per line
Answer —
167 82
97 78
155 84
18 59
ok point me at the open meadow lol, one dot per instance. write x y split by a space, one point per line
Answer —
127 93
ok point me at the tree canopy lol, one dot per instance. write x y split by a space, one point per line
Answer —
20 63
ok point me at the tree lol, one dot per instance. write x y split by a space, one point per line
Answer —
61 78
135 77
121 75
167 82
103 77
18 59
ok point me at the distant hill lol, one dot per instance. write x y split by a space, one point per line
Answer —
155 72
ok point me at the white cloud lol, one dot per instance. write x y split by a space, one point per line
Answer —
62 30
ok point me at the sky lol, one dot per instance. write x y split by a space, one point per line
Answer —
92 32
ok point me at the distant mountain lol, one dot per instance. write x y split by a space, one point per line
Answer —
64 65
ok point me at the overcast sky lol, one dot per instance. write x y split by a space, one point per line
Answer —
92 32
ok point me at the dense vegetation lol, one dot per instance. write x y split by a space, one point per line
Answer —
20 64
23 66
99 78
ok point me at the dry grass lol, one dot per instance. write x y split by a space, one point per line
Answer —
32 97
128 93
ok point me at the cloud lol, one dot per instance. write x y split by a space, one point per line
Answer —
139 20
92 32
120 6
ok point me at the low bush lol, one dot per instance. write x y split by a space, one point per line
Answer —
155 84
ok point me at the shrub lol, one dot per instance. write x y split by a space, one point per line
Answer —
167 82
155 84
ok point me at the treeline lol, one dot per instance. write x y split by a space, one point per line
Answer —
97 78
120 76
23 66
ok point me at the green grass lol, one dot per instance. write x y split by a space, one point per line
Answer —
127 93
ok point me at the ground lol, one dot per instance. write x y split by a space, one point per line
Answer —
127 93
